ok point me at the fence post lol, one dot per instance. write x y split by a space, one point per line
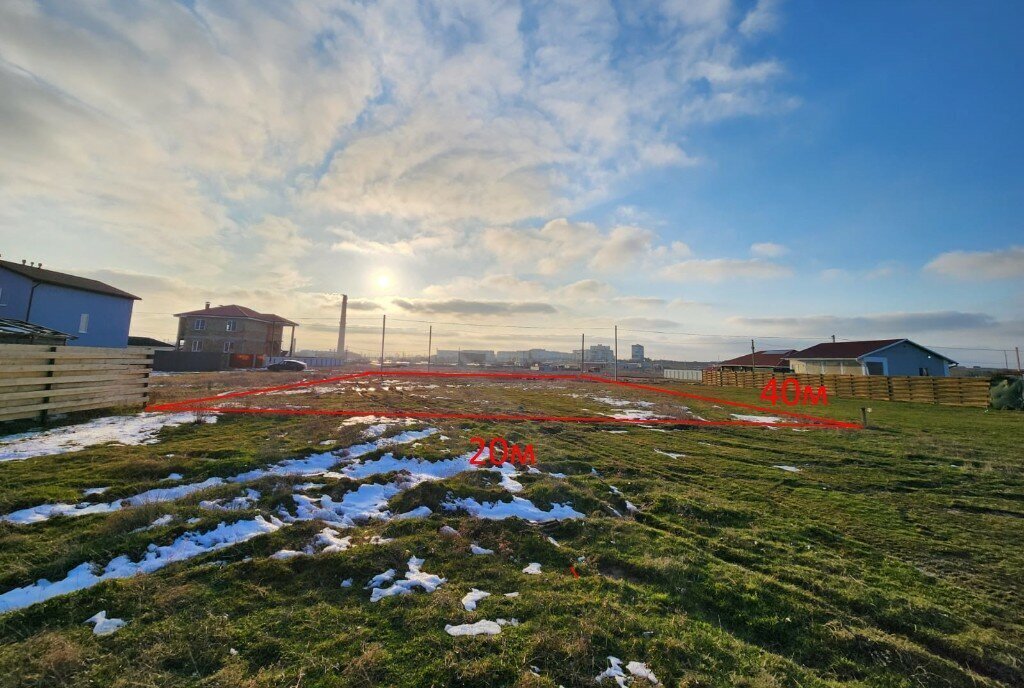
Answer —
383 327
51 363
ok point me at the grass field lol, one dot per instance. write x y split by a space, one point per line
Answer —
888 557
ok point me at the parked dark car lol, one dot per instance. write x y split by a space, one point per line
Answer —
295 366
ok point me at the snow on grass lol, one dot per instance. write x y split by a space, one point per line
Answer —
315 464
611 401
470 599
418 512
188 546
635 669
329 541
44 512
484 627
477 549
104 626
512 594
517 508
246 501
131 430
94 491
533 569
757 419
366 503
170 478
790 469
672 455
414 578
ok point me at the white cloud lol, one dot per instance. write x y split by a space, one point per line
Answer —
763 18
722 269
768 250
1006 263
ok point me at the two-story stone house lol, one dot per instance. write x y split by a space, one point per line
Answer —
234 330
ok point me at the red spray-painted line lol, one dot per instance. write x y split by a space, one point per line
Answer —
425 415
191 404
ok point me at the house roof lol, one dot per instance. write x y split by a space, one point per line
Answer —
762 359
856 350
9 327
148 341
235 311
62 279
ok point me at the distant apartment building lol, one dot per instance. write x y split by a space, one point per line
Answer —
464 357
637 353
234 330
597 353
88 312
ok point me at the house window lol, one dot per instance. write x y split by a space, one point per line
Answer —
200 324
83 323
923 372
229 347
231 326
875 367
197 345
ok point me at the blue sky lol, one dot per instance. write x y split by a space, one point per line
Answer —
791 169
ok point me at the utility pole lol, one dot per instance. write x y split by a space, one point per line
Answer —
430 343
383 327
615 366
833 339
583 352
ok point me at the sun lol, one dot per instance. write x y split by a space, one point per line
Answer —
382 280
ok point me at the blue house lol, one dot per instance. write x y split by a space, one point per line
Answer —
96 314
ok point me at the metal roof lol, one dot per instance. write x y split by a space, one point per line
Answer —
10 326
62 279
855 350
762 359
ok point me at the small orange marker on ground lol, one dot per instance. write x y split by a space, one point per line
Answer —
573 569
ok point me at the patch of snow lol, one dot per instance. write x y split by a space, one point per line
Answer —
470 599
286 554
328 541
517 508
368 502
189 545
635 669
104 626
246 501
382 578
757 419
302 487
789 469
512 594
171 477
94 491
477 549
448 531
414 578
631 508
484 627
673 455
347 583
129 430
553 541
507 622
419 512
533 569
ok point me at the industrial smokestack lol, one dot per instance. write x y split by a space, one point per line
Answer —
341 327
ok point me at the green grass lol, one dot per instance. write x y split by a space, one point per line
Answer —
894 558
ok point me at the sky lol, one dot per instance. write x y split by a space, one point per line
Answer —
696 172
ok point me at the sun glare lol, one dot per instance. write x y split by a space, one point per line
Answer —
383 280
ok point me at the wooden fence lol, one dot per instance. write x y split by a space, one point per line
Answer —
951 391
40 380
